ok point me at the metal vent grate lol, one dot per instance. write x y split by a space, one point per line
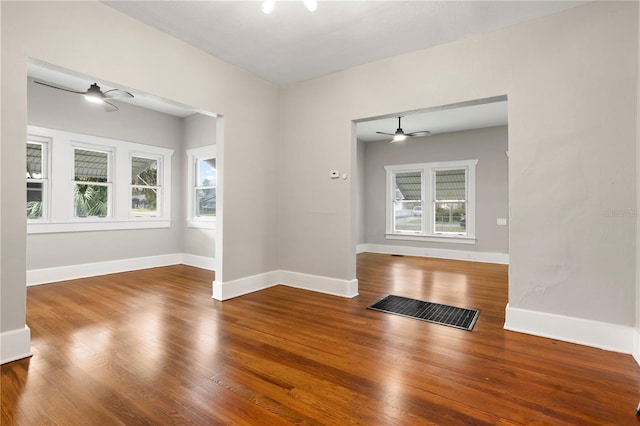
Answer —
427 311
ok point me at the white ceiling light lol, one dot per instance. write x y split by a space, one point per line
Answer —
399 138
94 94
312 5
268 5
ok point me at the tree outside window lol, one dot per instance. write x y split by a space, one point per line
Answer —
91 185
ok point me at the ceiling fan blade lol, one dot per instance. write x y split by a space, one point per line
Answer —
59 88
109 107
421 133
384 133
117 93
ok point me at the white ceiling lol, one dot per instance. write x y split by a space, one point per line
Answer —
292 45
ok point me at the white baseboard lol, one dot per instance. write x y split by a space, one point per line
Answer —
201 262
15 344
320 284
241 286
221 291
72 272
612 337
473 256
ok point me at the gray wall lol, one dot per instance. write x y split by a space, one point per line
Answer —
199 130
488 146
361 216
571 82
59 110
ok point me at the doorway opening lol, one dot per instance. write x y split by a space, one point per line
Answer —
438 195
129 165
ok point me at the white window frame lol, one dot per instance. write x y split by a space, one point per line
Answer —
428 201
108 184
193 156
45 143
60 216
158 186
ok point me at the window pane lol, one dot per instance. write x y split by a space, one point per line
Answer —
144 202
451 185
144 171
34 161
206 173
407 207
451 217
35 158
90 200
34 200
206 202
91 166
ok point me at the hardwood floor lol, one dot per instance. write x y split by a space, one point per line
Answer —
152 348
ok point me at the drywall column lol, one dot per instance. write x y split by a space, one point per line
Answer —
14 333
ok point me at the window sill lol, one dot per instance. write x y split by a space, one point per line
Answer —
453 239
201 224
95 225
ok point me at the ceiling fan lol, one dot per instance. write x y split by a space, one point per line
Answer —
400 135
95 95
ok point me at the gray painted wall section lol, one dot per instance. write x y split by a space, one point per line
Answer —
199 130
69 112
361 212
488 146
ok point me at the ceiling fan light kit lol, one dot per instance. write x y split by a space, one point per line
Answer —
94 94
268 5
400 135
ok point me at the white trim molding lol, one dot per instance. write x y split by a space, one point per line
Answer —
194 155
15 345
230 289
72 272
333 286
202 262
59 215
611 337
472 256
320 284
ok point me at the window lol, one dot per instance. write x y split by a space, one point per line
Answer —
431 201
205 189
91 183
449 207
203 179
37 174
79 182
145 187
407 204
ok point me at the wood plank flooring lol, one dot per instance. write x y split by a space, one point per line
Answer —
152 348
